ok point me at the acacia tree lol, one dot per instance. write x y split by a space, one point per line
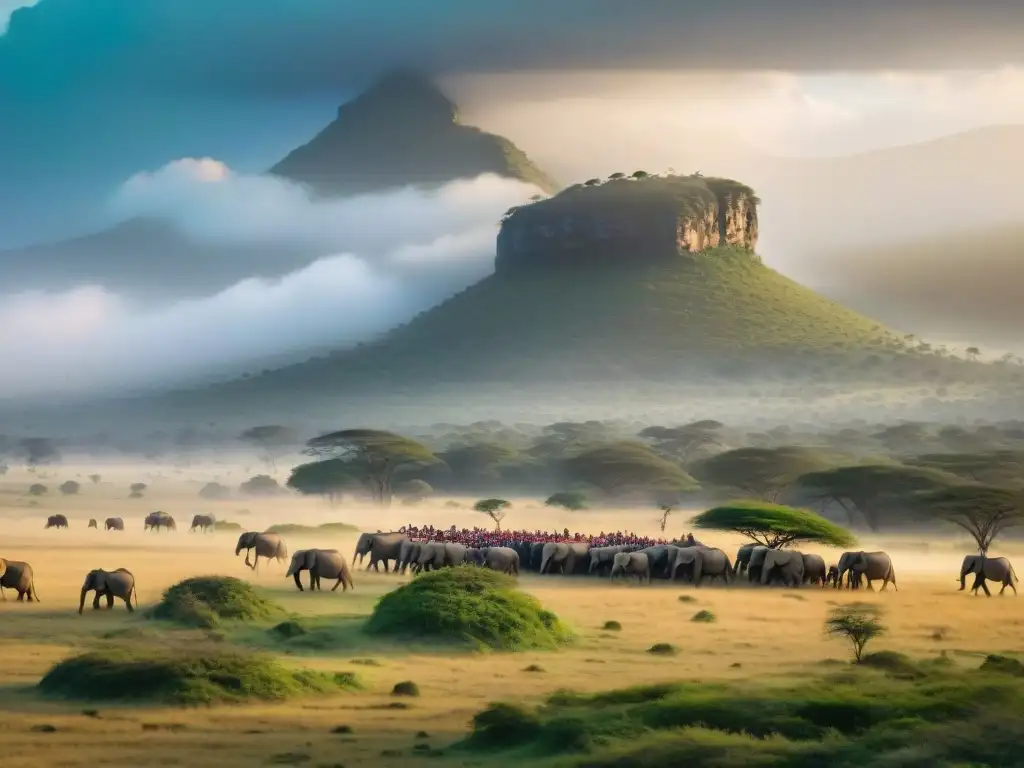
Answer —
272 440
859 623
1000 468
773 525
760 472
374 454
571 500
873 489
496 509
683 443
328 478
627 467
983 511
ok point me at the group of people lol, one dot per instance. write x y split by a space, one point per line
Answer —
481 537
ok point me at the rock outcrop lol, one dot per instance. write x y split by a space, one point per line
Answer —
628 220
403 131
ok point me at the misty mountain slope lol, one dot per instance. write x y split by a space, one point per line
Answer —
403 130
962 286
720 315
146 259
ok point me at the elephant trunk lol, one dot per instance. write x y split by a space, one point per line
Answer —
81 602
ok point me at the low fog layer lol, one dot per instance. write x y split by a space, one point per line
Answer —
410 250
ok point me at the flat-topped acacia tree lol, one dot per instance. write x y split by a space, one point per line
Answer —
773 525
374 455
982 511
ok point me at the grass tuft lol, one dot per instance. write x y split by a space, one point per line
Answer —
612 626
186 677
663 649
405 688
468 605
706 617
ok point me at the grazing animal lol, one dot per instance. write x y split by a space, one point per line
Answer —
832 577
266 545
56 521
205 523
997 569
873 566
631 564
18 575
109 584
92 523
113 524
815 571
156 520
381 547
320 562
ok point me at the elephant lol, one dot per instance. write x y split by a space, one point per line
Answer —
814 570
92 523
698 562
437 554
601 557
381 547
113 524
844 569
157 520
997 569
784 564
409 555
56 521
631 564
832 577
18 575
743 557
536 556
267 545
873 566
661 557
321 562
203 522
109 584
568 558
504 559
755 563
475 556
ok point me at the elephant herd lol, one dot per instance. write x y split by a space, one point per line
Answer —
154 521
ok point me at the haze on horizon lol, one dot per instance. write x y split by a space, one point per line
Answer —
764 96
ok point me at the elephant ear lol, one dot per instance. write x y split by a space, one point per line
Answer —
686 556
782 557
98 579
310 558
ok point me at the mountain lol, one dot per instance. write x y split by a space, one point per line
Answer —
401 131
962 287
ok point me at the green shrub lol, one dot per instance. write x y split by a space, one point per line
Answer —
286 529
501 726
203 601
467 605
612 626
687 599
893 663
707 617
1003 665
289 629
195 676
226 526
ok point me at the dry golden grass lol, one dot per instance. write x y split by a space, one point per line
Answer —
757 632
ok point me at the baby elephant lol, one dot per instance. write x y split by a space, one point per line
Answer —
92 523
321 562
632 564
109 584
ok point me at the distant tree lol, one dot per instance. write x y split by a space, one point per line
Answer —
858 623
569 437
95 479
761 472
638 175
1000 468
329 478
773 525
272 440
38 450
37 489
617 175
260 485
414 491
479 464
376 454
592 183
135 490
873 489
666 511
626 468
907 438
69 488
214 492
984 512
684 443
571 500
496 509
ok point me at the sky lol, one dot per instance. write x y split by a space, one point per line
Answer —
173 108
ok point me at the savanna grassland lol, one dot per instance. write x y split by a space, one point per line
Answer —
759 637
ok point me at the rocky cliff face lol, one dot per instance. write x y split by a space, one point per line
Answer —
627 220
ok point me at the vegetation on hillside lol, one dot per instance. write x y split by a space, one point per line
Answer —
204 601
469 606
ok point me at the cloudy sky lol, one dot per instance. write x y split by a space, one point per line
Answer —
173 108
